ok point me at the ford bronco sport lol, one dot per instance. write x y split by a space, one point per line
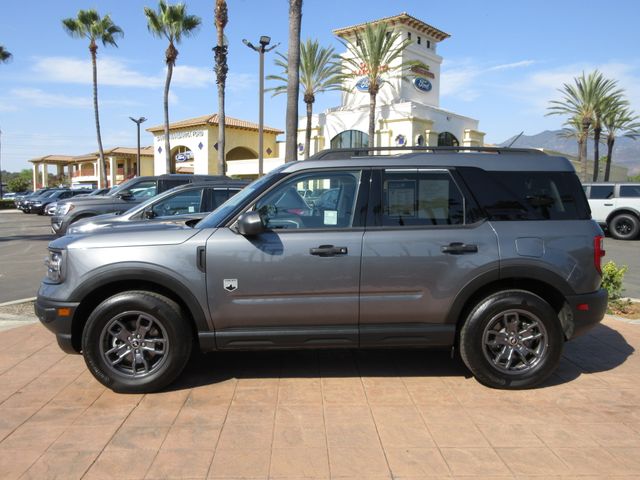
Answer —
489 251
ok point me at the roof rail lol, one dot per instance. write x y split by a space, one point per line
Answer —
336 153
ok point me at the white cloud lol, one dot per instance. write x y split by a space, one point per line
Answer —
118 73
39 98
508 66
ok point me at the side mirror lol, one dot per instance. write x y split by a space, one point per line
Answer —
148 214
250 224
125 195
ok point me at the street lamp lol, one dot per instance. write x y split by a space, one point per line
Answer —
262 49
138 121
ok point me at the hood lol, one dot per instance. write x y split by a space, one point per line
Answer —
106 223
95 200
156 234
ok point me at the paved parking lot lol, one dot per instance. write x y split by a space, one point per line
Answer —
322 414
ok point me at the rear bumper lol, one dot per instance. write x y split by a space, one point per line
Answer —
588 310
48 312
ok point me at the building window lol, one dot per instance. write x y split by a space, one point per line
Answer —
428 43
350 139
447 139
408 35
419 40
420 140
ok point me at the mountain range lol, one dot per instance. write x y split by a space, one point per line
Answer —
626 151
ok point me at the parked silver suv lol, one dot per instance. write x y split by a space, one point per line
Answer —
489 251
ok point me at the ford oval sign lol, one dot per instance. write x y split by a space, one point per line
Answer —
422 84
363 84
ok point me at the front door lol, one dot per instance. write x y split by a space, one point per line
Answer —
297 283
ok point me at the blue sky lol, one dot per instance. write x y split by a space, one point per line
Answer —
503 63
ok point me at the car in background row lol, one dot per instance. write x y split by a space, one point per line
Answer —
20 200
178 205
39 204
616 207
51 208
126 195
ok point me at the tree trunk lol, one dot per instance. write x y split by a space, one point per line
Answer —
596 152
607 171
372 118
102 165
221 69
171 55
582 144
307 133
293 81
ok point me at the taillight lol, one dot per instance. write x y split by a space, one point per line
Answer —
598 252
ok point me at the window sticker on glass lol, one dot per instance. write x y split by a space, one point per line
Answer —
402 198
330 217
191 209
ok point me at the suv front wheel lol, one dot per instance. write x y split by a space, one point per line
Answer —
511 339
136 342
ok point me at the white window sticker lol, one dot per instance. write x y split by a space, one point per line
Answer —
191 209
330 217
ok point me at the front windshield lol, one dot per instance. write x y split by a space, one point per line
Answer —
123 186
219 214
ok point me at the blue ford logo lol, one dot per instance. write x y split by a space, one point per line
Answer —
422 84
363 84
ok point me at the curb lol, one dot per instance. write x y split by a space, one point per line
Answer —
16 302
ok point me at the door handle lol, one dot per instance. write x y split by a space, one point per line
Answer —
608 204
328 251
457 248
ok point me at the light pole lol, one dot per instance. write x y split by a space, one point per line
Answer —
138 121
262 49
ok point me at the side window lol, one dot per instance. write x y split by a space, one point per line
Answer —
180 203
601 192
220 196
329 201
420 197
630 190
143 190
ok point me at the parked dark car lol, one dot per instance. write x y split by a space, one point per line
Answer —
19 201
120 199
39 204
186 202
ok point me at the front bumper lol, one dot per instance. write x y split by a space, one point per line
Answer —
58 317
588 310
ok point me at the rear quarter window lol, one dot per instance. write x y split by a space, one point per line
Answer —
629 191
506 195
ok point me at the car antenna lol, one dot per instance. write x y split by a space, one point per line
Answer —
515 139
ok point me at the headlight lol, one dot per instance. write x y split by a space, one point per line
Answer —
36 204
64 208
83 228
54 263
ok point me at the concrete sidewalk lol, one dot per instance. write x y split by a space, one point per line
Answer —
322 414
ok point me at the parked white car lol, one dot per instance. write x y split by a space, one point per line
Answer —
616 206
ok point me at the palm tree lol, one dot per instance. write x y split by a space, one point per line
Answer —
293 81
606 99
221 69
89 25
5 55
320 71
375 51
581 100
618 121
172 23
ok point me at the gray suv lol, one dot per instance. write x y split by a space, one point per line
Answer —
492 252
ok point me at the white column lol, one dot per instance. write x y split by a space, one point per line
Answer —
113 167
45 179
98 172
35 176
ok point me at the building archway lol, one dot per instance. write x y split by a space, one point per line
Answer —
241 153
182 158
350 139
447 139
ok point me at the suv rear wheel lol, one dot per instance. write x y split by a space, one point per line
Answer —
136 342
511 339
624 226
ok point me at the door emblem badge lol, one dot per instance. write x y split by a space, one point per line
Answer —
230 284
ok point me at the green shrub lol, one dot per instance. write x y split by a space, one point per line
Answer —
612 277
6 204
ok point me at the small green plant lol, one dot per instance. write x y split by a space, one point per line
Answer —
612 277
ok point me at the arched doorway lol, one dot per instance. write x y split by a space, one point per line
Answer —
241 153
350 139
182 158
447 139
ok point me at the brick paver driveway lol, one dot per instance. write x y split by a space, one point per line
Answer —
327 414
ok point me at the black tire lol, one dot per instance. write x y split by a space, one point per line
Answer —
624 226
155 317
483 345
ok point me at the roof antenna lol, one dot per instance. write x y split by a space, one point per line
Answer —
515 139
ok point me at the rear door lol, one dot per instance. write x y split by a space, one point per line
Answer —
421 248
602 202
